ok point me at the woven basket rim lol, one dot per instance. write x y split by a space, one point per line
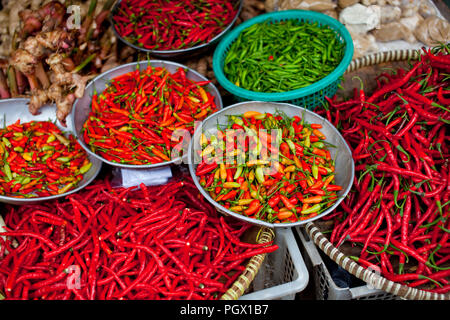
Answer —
330 250
242 283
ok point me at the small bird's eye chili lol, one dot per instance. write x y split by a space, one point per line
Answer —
130 126
36 159
264 181
175 25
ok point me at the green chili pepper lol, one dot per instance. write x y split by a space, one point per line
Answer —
51 138
238 172
7 171
6 142
237 120
291 146
259 174
85 168
47 148
26 180
312 209
289 54
315 171
62 139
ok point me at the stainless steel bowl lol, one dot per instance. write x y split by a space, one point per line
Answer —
180 53
17 108
345 167
82 106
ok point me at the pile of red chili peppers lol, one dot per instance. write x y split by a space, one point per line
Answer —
123 243
37 160
141 117
398 210
174 25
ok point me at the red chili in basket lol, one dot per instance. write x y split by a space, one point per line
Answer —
398 209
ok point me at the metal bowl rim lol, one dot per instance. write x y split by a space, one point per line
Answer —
146 166
6 199
169 53
262 222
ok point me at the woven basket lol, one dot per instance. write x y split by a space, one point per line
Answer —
307 97
315 233
243 282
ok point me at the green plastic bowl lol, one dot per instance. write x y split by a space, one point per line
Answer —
308 97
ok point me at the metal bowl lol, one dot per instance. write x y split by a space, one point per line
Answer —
17 108
82 106
180 53
345 167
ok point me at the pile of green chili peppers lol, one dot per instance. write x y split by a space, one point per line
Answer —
282 56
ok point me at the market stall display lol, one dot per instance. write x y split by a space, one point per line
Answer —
153 127
240 182
179 29
362 172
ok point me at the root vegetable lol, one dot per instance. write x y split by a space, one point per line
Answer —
37 100
24 61
41 75
32 46
21 81
55 40
4 89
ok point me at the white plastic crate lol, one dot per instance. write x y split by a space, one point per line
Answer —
324 285
283 273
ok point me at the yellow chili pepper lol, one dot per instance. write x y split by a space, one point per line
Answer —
328 180
208 150
290 168
251 176
203 139
203 94
251 114
229 185
244 202
223 172
27 156
297 162
257 162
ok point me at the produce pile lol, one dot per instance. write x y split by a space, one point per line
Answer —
167 242
143 117
50 60
38 160
178 25
280 56
123 243
283 171
397 211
